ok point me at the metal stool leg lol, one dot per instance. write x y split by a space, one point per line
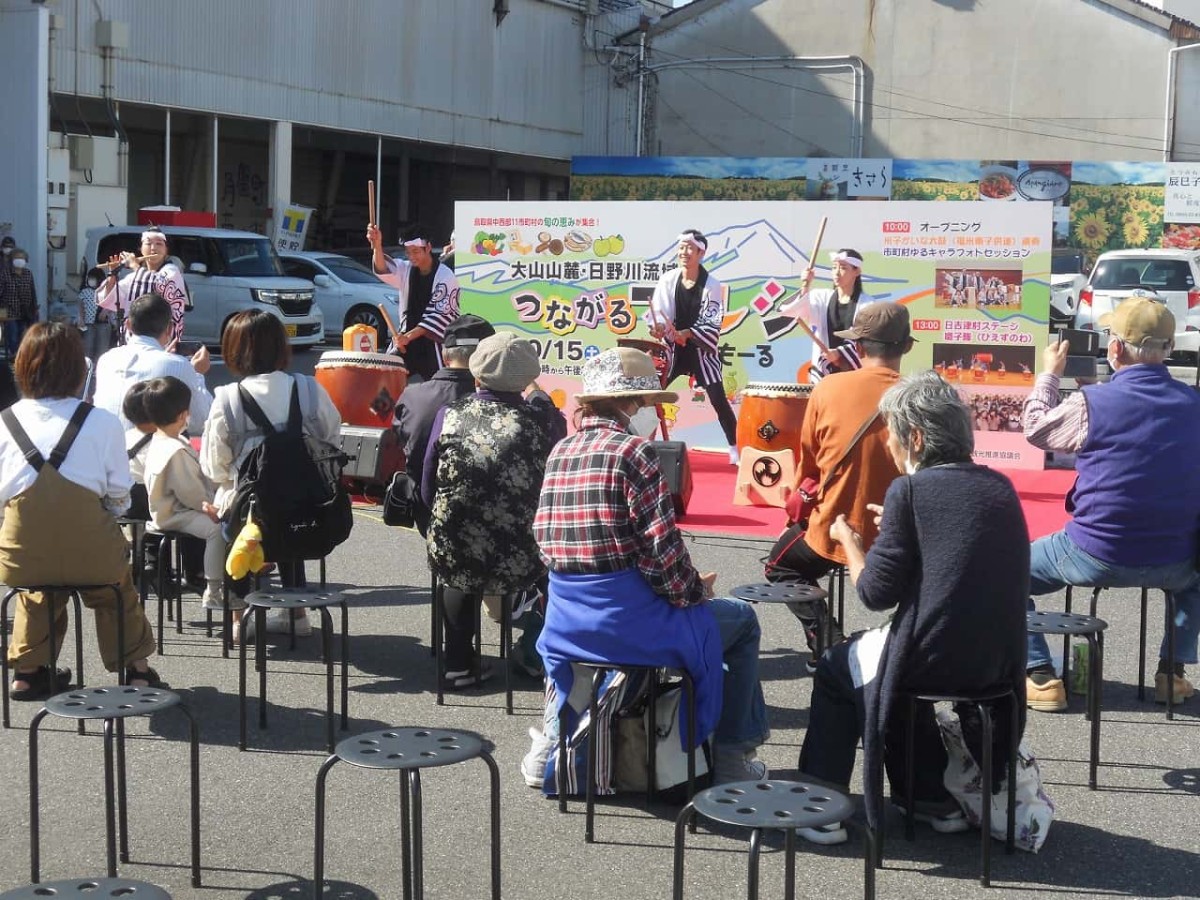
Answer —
1169 603
327 653
1141 692
194 790
682 821
789 864
433 613
418 843
406 836
1095 687
752 864
319 828
506 650
560 762
438 636
122 793
110 837
345 667
985 714
35 855
593 711
494 777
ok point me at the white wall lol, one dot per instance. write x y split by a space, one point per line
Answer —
948 79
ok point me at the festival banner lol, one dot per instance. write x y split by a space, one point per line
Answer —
576 277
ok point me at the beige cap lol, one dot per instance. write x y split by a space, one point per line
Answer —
505 362
1141 322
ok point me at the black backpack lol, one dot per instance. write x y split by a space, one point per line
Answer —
291 484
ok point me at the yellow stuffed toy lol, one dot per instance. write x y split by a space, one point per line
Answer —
246 554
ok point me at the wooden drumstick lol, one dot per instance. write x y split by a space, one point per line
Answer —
371 202
812 258
804 325
390 324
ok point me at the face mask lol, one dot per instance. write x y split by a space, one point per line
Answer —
6 251
19 263
644 421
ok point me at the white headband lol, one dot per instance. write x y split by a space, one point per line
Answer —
688 238
146 235
417 242
838 256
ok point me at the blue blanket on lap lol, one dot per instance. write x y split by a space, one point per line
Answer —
617 618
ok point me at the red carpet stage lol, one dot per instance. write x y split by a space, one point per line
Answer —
711 508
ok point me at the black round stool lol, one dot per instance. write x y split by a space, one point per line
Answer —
112 705
49 592
795 592
88 889
766 805
1091 628
258 602
407 751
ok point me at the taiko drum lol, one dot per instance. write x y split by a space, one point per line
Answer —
772 415
363 386
657 351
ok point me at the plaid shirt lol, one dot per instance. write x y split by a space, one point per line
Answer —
605 508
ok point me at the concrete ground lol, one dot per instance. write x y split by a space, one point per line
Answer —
1136 836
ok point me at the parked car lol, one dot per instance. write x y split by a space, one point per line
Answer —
226 272
1068 276
347 291
1172 276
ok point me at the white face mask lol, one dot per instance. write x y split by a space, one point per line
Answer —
6 251
19 263
644 421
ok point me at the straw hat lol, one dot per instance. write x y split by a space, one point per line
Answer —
623 372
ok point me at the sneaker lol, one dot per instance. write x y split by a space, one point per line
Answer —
1048 697
213 596
945 818
826 835
1181 690
734 456
278 622
533 766
738 765
465 678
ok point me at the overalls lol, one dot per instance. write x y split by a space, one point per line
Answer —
57 533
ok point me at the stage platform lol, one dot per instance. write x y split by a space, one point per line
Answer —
711 509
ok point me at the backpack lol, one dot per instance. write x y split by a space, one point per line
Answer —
291 485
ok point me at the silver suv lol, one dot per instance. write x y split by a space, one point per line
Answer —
226 272
1170 276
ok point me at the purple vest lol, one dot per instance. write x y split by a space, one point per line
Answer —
1137 495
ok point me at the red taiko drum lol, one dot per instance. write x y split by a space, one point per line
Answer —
772 415
363 386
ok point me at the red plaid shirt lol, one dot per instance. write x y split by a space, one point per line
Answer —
605 507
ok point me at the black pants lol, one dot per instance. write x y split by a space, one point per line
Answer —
835 725
791 559
459 613
687 362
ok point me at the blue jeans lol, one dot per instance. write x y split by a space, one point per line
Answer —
1055 562
743 724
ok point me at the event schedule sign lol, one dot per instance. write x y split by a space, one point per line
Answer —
576 278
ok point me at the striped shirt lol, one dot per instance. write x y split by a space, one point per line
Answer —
605 508
1053 425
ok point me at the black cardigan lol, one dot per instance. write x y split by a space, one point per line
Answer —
953 558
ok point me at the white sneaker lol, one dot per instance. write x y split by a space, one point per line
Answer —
533 766
826 835
214 596
278 623
738 765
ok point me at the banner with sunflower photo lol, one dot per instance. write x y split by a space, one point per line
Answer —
1097 206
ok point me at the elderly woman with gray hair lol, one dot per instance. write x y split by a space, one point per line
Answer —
952 561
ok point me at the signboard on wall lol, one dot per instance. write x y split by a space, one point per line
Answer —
577 276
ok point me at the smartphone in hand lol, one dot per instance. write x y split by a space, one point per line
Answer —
188 348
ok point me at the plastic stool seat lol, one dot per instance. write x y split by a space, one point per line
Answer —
88 889
120 701
778 592
1041 622
409 748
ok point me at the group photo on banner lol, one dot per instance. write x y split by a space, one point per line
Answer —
738 302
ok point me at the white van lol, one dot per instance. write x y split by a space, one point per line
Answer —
226 272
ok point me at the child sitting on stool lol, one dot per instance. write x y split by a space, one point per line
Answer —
180 497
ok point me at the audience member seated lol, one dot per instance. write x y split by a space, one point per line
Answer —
60 525
952 560
1136 501
255 348
622 585
180 496
481 476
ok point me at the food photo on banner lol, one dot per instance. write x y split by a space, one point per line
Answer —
576 278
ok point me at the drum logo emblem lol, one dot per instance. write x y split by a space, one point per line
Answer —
766 471
767 431
383 404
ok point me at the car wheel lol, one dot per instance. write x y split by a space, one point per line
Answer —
368 315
